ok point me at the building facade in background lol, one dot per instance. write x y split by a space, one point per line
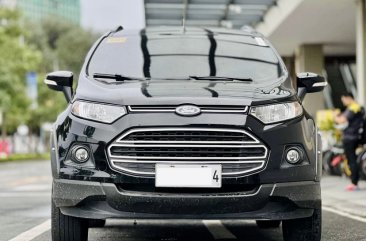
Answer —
36 10
8 3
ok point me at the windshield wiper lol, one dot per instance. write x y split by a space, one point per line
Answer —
116 77
219 78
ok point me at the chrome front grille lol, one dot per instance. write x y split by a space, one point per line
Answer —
187 135
204 109
187 152
138 150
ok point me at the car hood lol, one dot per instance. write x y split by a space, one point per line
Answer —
176 92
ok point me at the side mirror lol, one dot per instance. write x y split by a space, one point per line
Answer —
310 83
61 81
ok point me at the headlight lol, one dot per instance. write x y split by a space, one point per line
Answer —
276 113
97 112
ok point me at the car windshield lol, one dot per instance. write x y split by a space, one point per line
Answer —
158 56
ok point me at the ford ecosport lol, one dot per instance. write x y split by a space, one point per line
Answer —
196 123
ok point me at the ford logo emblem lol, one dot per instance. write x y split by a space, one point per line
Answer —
188 110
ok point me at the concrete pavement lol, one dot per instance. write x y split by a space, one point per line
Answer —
335 228
25 194
25 214
336 197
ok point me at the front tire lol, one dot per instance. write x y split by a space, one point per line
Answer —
67 228
304 229
266 224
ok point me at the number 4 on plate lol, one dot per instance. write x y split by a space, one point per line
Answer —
215 176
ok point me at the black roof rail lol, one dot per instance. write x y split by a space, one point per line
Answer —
117 29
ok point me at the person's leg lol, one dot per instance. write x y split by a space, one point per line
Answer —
350 151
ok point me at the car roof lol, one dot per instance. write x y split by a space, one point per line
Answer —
246 30
178 31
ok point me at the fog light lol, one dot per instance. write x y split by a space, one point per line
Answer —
81 154
294 155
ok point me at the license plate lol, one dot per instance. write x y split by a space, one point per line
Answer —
188 176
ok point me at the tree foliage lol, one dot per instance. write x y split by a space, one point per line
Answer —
16 59
64 46
72 48
45 46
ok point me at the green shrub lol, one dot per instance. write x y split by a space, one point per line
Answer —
26 157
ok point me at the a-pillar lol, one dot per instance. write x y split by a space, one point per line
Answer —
310 58
361 50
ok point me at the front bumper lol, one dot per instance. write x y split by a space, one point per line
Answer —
277 137
96 200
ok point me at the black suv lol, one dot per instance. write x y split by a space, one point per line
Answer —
196 123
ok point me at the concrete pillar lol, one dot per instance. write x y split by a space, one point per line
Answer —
361 50
290 65
310 58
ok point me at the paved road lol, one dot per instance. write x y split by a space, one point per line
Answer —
24 196
24 216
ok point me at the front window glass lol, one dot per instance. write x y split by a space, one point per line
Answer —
180 56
